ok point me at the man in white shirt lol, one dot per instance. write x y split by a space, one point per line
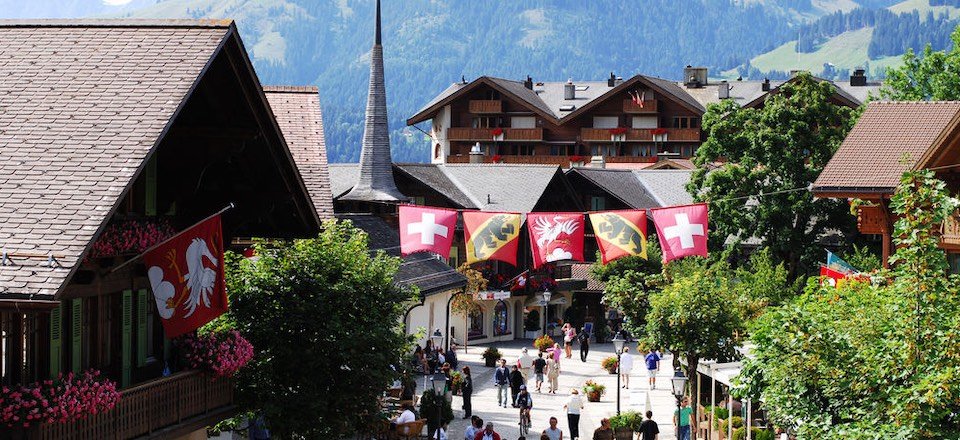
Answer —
626 364
525 362
406 416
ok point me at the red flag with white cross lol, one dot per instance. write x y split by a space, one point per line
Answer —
186 275
426 230
682 230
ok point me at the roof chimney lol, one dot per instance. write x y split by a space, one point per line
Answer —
766 85
612 81
859 78
723 92
528 83
694 77
476 154
569 90
375 180
598 162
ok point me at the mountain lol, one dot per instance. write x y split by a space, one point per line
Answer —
428 44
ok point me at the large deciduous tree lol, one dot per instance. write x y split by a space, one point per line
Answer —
325 318
628 283
778 149
870 361
931 76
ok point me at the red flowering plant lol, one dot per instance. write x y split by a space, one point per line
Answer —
658 131
496 158
578 158
65 399
618 130
131 236
218 353
496 131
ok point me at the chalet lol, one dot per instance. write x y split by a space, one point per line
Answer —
115 127
640 122
889 139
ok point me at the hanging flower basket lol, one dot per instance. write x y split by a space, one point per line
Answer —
63 400
220 354
497 132
658 131
578 159
618 131
131 236
496 158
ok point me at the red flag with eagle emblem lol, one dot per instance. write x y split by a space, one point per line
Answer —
491 236
620 233
555 236
186 275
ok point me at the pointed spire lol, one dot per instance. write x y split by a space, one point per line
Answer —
375 180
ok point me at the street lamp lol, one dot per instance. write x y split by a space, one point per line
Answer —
439 382
679 382
618 342
546 303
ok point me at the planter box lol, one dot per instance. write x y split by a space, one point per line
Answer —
489 362
623 434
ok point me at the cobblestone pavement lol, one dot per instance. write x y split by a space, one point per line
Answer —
573 374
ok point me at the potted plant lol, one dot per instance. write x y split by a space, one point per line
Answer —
610 364
490 356
594 391
531 324
625 424
543 343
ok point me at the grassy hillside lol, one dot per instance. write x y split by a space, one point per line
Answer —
845 51
923 7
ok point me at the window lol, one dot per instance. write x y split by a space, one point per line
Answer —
598 203
606 121
490 149
523 122
518 150
954 261
454 257
486 122
476 324
685 122
419 201
492 94
644 122
500 315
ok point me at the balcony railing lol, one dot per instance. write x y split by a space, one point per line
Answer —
649 106
535 160
640 135
486 134
154 408
486 106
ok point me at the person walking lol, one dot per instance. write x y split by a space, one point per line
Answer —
553 375
501 379
649 429
525 362
584 339
573 407
681 419
516 381
538 369
553 433
653 366
487 433
568 336
556 352
626 365
467 390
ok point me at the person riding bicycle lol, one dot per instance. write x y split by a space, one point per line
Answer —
524 402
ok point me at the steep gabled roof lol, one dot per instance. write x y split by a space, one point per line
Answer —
888 139
641 189
436 178
503 187
297 111
82 104
667 187
514 90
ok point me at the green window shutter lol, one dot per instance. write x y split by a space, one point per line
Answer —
150 196
76 334
56 340
142 342
127 323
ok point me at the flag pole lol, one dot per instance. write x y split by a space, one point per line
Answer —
126 263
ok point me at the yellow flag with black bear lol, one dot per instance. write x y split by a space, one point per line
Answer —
491 236
620 233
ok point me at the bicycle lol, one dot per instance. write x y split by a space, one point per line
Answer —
524 421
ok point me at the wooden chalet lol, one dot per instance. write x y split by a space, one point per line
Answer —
889 139
568 123
106 125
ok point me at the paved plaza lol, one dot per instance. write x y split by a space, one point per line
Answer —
573 374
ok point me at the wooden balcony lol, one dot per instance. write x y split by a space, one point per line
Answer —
480 106
563 161
164 408
649 106
640 134
950 232
486 134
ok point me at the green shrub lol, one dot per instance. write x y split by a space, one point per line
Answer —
756 434
492 353
737 423
628 419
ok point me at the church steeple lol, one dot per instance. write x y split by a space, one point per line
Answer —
375 180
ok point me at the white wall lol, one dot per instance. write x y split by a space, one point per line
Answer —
438 132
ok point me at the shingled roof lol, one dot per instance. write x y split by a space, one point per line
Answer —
297 110
888 139
641 189
82 103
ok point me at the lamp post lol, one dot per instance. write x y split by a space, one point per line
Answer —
437 338
679 382
618 342
546 303
439 382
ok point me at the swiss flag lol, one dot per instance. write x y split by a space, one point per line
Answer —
186 274
682 230
426 230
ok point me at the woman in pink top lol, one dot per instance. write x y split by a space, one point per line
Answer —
569 334
556 352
